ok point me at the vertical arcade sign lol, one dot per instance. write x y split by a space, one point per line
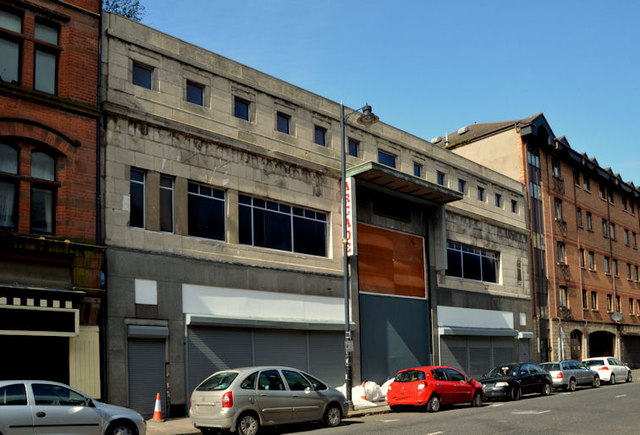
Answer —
350 213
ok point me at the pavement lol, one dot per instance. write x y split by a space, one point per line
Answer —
183 426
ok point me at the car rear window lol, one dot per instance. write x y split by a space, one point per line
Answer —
13 395
410 376
550 367
594 362
219 381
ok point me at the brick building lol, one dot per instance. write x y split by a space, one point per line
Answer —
50 258
584 222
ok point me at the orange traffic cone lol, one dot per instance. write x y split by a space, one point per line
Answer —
364 393
157 411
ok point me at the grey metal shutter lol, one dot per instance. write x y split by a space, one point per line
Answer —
281 347
479 356
502 350
453 352
326 356
211 349
146 360
523 346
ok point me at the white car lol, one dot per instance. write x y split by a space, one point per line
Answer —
609 368
45 407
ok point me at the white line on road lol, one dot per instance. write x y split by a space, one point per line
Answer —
390 421
622 395
435 433
530 412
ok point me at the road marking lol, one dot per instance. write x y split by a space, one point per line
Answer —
390 421
622 395
435 433
530 412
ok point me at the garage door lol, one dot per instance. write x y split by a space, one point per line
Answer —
475 355
211 349
146 375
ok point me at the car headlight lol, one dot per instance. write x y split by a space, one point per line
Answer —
502 384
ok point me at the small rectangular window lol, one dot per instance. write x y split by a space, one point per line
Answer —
480 193
614 264
589 221
618 307
241 108
555 167
195 93
137 198
320 136
594 300
461 186
592 260
43 210
628 271
605 231
610 303
579 217
141 75
636 273
441 178
612 230
353 147
607 265
283 122
576 177
633 240
498 200
585 303
563 300
562 257
581 254
45 71
602 192
417 169
166 204
585 182
514 206
557 207
610 196
631 306
626 237
386 159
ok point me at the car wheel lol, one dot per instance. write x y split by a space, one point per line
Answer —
629 377
477 399
515 393
572 385
332 416
433 405
248 424
546 389
121 427
596 381
612 379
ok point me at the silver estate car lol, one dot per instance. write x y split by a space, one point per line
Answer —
569 374
244 399
45 407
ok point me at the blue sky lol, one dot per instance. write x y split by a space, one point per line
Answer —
430 67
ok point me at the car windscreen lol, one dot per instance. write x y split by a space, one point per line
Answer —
550 367
410 376
594 362
219 381
504 370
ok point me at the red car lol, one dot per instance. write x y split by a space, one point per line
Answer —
433 386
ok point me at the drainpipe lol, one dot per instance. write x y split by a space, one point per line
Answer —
553 257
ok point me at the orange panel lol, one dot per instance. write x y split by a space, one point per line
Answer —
390 263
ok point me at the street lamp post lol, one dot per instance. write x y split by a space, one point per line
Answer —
366 118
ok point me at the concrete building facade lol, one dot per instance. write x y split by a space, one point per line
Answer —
50 256
584 224
223 230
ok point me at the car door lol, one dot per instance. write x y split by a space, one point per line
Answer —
59 410
619 369
538 376
583 375
444 388
462 389
307 403
527 382
15 412
273 398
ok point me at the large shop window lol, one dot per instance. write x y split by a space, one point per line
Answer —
470 262
206 212
280 226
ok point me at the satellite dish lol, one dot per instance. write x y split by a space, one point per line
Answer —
616 317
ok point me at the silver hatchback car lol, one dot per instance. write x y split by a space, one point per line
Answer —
570 373
45 407
244 399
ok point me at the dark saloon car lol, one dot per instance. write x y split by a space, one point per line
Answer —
515 379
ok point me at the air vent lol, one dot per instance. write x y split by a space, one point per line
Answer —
463 130
436 139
